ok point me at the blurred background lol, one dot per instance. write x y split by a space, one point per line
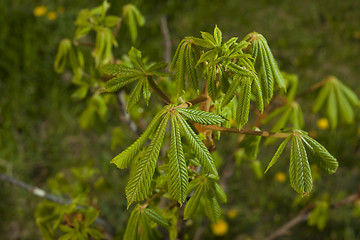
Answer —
40 134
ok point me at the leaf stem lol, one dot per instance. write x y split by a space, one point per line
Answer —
313 87
247 131
194 101
159 92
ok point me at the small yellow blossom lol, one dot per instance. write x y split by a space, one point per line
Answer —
280 177
220 228
39 11
51 15
232 213
323 123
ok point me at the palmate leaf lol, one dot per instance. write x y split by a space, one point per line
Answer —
299 171
139 182
198 147
124 158
202 117
339 100
178 173
265 65
184 61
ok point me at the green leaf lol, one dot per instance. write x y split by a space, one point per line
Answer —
332 108
198 147
61 55
178 173
139 182
209 38
156 67
345 109
278 152
134 96
121 71
299 171
219 193
351 96
200 42
243 107
232 90
190 67
156 217
212 209
136 58
266 74
320 215
325 161
116 83
123 159
202 117
193 203
132 225
259 96
180 71
217 36
146 90
321 97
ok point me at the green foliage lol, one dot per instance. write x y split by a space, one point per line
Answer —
320 215
339 99
133 18
265 64
299 167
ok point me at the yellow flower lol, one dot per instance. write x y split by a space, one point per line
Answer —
51 15
323 123
232 213
280 177
39 11
220 228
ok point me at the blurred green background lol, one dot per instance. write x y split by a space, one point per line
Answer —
40 134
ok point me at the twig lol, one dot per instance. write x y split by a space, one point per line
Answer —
124 116
305 214
43 194
156 88
194 101
117 27
314 87
167 42
247 131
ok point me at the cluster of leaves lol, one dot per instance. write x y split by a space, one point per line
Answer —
338 100
226 68
86 74
76 219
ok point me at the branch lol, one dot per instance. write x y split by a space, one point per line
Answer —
159 92
43 194
313 87
247 131
167 43
305 214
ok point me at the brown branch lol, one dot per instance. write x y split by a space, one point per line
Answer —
305 214
167 42
117 27
159 92
48 196
199 99
247 131
87 44
314 87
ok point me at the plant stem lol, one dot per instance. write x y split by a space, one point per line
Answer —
247 131
159 92
313 87
194 101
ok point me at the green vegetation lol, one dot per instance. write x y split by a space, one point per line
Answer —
191 134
